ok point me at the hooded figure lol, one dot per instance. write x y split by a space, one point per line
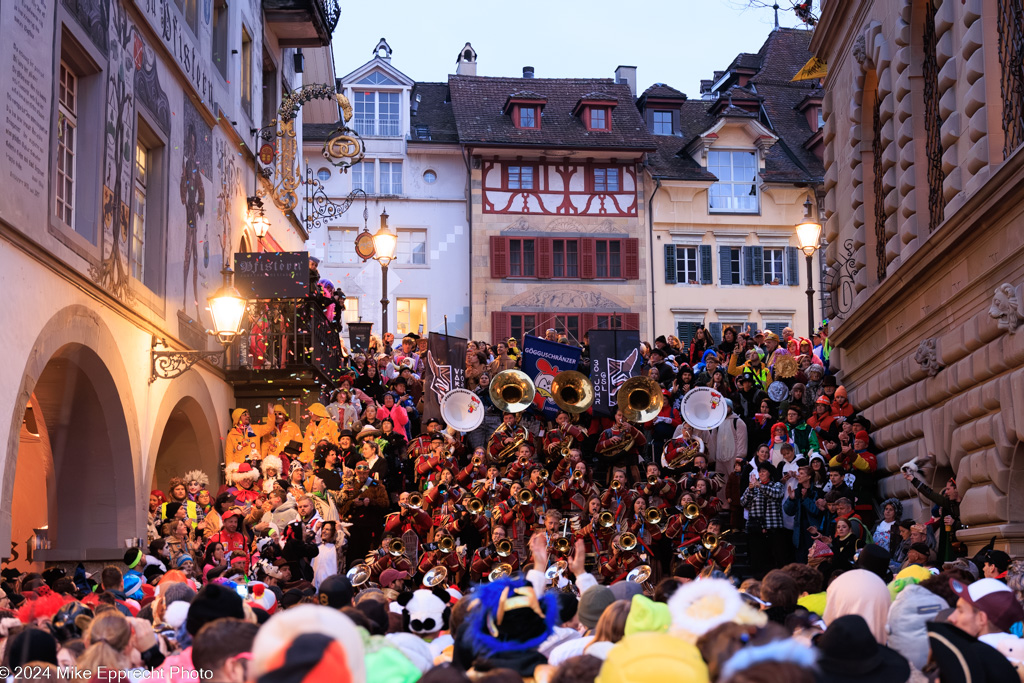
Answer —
859 591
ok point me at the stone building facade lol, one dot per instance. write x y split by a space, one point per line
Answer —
924 117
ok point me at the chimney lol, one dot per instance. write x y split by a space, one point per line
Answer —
465 63
527 72
627 75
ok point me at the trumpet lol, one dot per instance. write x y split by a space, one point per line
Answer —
652 480
503 547
544 475
627 541
396 548
475 506
415 501
691 511
572 391
606 519
525 497
500 572
446 544
477 461
523 461
616 485
653 516
562 545
566 448
577 474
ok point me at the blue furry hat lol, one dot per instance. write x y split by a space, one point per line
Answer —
507 615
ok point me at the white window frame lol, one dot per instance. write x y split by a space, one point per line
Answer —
361 168
345 237
734 182
67 161
681 249
137 254
387 170
351 312
769 273
369 119
406 252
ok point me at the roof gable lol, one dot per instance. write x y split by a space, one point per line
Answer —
377 68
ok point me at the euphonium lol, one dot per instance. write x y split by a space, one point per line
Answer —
446 544
475 506
525 497
653 516
627 541
503 547
606 519
572 391
691 511
436 576
562 545
499 572
415 501
640 399
396 548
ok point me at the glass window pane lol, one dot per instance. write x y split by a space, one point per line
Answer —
515 257
614 264
528 258
527 177
571 259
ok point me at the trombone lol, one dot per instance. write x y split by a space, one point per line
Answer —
640 399
573 392
691 511
606 519
446 544
415 501
653 516
652 480
512 391
627 541
577 474
503 548
525 497
544 475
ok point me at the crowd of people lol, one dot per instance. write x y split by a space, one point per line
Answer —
377 544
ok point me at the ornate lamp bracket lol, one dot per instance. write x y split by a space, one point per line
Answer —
171 364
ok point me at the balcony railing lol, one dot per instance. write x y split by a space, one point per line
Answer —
374 127
290 335
302 23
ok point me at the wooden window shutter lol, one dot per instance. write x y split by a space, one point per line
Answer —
499 260
685 332
792 266
670 264
631 258
716 331
588 321
631 321
757 257
748 265
725 265
544 250
705 264
588 258
501 326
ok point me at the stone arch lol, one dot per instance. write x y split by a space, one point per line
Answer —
81 390
188 431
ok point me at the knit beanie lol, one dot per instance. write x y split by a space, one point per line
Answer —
213 601
593 603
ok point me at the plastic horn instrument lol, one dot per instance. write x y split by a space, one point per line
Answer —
653 516
503 547
525 497
446 544
606 519
572 391
500 572
396 548
512 391
691 511
627 541
640 399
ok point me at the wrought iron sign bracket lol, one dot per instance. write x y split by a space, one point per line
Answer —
172 364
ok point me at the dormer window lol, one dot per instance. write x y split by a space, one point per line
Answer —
524 108
527 117
595 110
600 118
662 122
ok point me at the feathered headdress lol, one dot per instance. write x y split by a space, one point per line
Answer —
508 616
197 476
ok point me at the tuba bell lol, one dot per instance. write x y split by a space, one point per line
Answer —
572 391
653 516
627 541
525 497
503 547
606 519
446 544
640 399
512 391
396 548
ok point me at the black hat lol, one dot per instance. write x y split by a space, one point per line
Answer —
849 653
152 572
291 598
213 601
52 575
921 548
434 420
335 591
660 338
658 351
293 448
828 381
172 510
132 557
962 658
411 335
998 559
875 559
344 433
436 436
906 523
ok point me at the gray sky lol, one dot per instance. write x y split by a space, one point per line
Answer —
677 42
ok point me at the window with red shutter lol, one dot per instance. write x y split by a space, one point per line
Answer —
588 322
501 328
631 321
631 258
544 247
588 265
499 257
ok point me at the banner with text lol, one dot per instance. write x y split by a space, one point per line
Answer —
542 360
614 358
445 370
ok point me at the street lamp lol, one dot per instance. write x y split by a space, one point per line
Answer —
257 218
808 234
384 244
227 307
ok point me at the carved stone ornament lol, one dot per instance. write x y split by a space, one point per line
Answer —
546 299
927 356
1007 307
860 52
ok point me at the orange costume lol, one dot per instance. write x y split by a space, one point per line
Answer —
243 443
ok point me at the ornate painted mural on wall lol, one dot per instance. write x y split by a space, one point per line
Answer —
148 90
167 20
113 271
92 16
231 189
197 156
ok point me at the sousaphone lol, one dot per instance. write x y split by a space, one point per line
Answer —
462 410
572 391
512 391
704 408
640 399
